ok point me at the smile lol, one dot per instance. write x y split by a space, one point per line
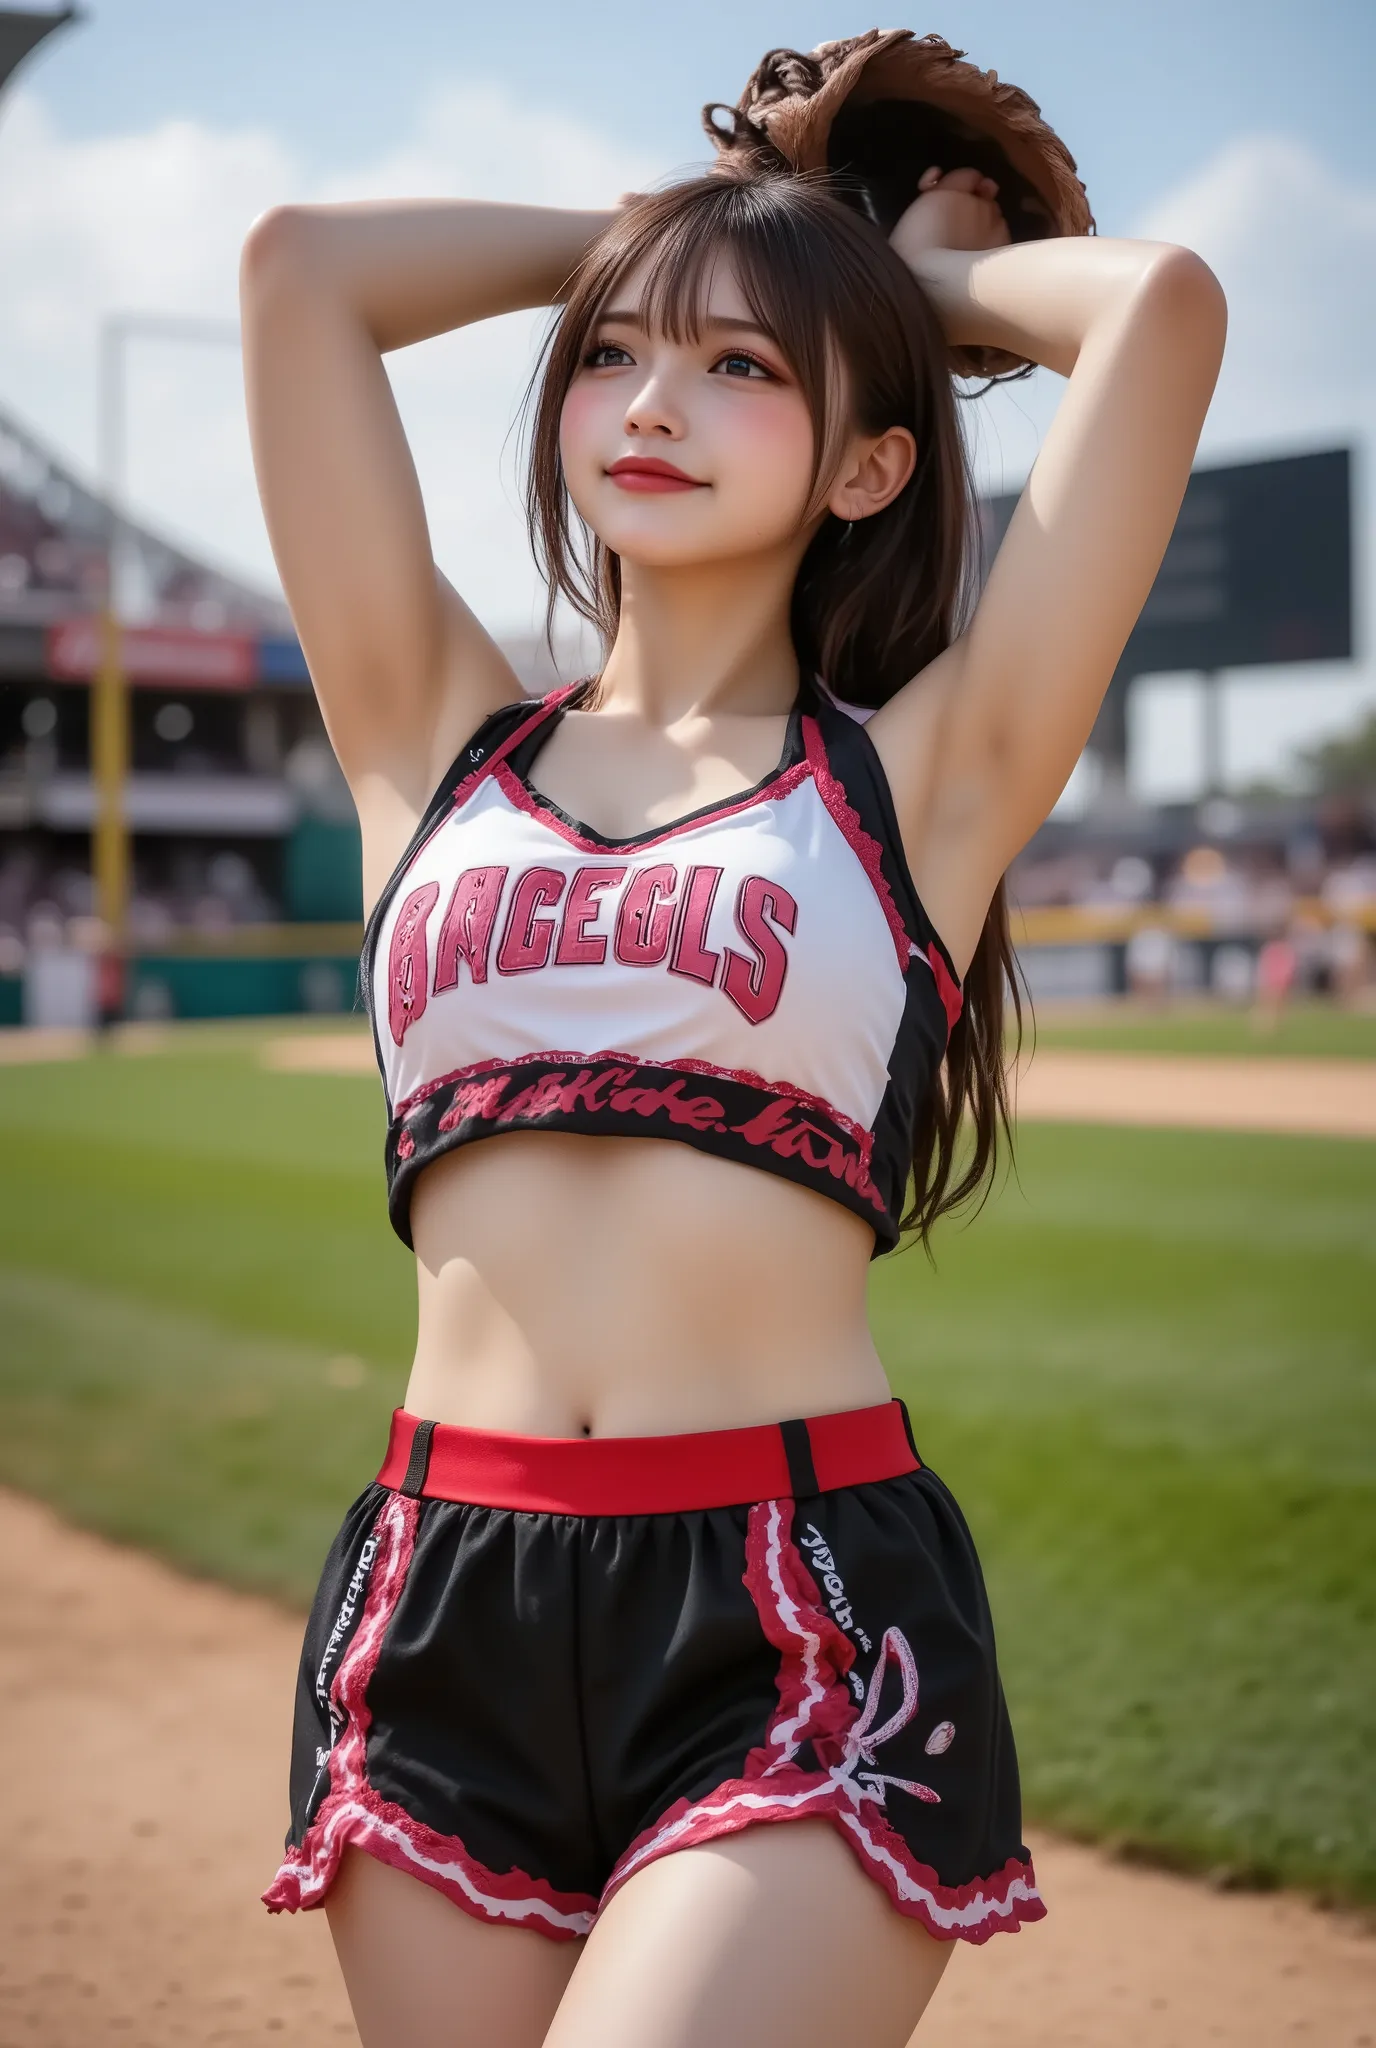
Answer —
647 473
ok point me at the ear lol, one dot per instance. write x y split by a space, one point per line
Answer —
872 472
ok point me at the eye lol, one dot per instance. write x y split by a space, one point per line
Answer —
600 356
739 363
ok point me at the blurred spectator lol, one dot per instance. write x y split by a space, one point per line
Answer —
1351 886
1207 880
46 927
1277 971
1349 962
1233 974
1151 962
150 921
1131 879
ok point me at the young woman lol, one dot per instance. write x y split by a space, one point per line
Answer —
652 1562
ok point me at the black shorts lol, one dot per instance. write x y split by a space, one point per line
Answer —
534 1665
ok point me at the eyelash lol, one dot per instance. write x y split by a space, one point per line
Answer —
732 355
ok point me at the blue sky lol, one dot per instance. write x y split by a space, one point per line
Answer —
1145 93
136 146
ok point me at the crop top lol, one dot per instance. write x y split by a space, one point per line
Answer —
758 979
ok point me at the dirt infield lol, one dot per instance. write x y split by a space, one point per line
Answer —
1329 1098
1323 1098
146 1718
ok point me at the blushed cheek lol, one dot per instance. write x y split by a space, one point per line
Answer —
580 428
770 458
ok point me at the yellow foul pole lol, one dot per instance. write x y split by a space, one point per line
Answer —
109 707
110 683
109 767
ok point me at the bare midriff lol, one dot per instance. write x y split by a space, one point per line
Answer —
573 1286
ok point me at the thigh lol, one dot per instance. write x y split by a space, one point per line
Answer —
422 1973
769 1937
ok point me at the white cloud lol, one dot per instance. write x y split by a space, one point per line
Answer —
1294 247
477 139
155 221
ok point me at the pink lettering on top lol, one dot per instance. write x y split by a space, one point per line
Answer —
407 961
699 1112
791 1127
781 1126
527 938
646 917
755 986
466 933
690 955
577 946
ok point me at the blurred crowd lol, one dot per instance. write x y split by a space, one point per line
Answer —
181 884
46 903
1242 912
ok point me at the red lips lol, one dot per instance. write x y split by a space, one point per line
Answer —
648 473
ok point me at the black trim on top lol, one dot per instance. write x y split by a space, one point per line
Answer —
622 1096
854 761
920 1042
522 760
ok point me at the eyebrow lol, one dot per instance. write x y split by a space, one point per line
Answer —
630 317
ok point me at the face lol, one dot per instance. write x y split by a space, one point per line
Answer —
684 452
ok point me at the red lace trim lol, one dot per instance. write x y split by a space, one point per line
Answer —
354 1814
815 1705
387 1832
526 800
814 1654
1001 1903
862 844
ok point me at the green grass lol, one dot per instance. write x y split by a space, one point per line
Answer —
1151 1379
186 1243
1309 1030
1148 1370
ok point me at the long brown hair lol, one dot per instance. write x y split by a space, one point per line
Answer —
873 603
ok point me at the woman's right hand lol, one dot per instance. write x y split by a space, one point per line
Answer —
952 210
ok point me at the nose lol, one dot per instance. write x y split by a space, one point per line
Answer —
653 411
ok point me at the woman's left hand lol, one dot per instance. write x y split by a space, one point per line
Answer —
952 210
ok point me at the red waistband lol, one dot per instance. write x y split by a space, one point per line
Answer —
648 1475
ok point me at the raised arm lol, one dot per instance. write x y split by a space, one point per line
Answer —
979 746
402 668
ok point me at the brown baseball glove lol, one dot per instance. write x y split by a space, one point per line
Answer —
876 110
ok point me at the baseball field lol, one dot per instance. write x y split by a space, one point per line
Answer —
1148 1370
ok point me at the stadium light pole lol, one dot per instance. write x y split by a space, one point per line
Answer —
109 685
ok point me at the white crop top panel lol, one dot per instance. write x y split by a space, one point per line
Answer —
686 982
